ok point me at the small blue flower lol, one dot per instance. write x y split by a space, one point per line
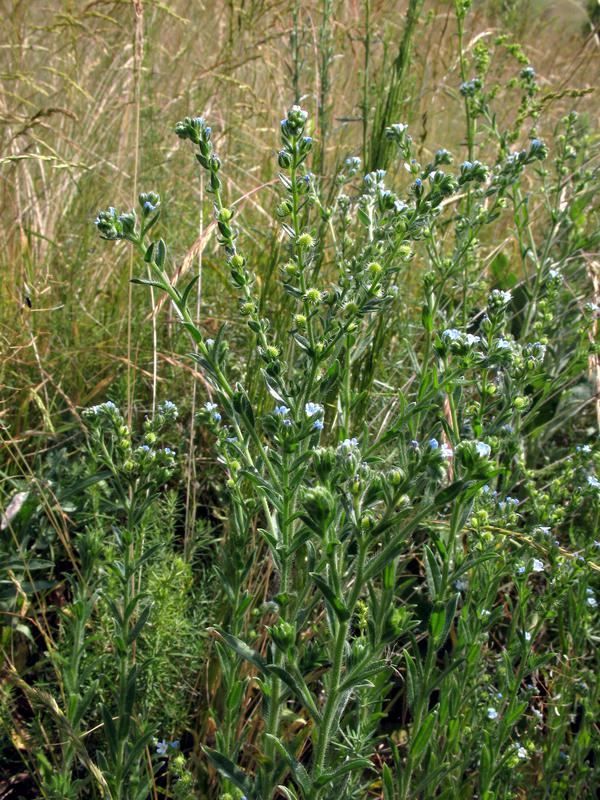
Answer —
434 444
583 448
318 425
492 713
282 411
210 407
451 334
312 409
593 482
483 449
520 570
161 748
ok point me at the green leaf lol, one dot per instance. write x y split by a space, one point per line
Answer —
161 254
137 628
149 252
243 650
336 604
147 282
298 687
412 678
229 770
361 675
353 765
298 771
243 407
423 736
388 783
188 289
110 732
433 573
130 691
288 793
512 716
451 492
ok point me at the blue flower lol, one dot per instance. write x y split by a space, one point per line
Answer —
318 425
434 444
593 482
583 448
492 713
282 411
446 451
161 748
312 409
483 449
451 334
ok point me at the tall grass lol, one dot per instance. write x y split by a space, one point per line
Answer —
228 611
70 106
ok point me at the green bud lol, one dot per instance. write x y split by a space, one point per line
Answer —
247 308
305 240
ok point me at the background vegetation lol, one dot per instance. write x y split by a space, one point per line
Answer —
90 95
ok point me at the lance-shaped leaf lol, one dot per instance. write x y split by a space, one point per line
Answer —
294 680
243 650
354 765
298 771
335 603
227 768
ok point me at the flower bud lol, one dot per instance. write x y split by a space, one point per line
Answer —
305 240
284 159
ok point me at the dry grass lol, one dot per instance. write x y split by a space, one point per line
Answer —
69 104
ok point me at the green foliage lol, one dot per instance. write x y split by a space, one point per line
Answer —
390 587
